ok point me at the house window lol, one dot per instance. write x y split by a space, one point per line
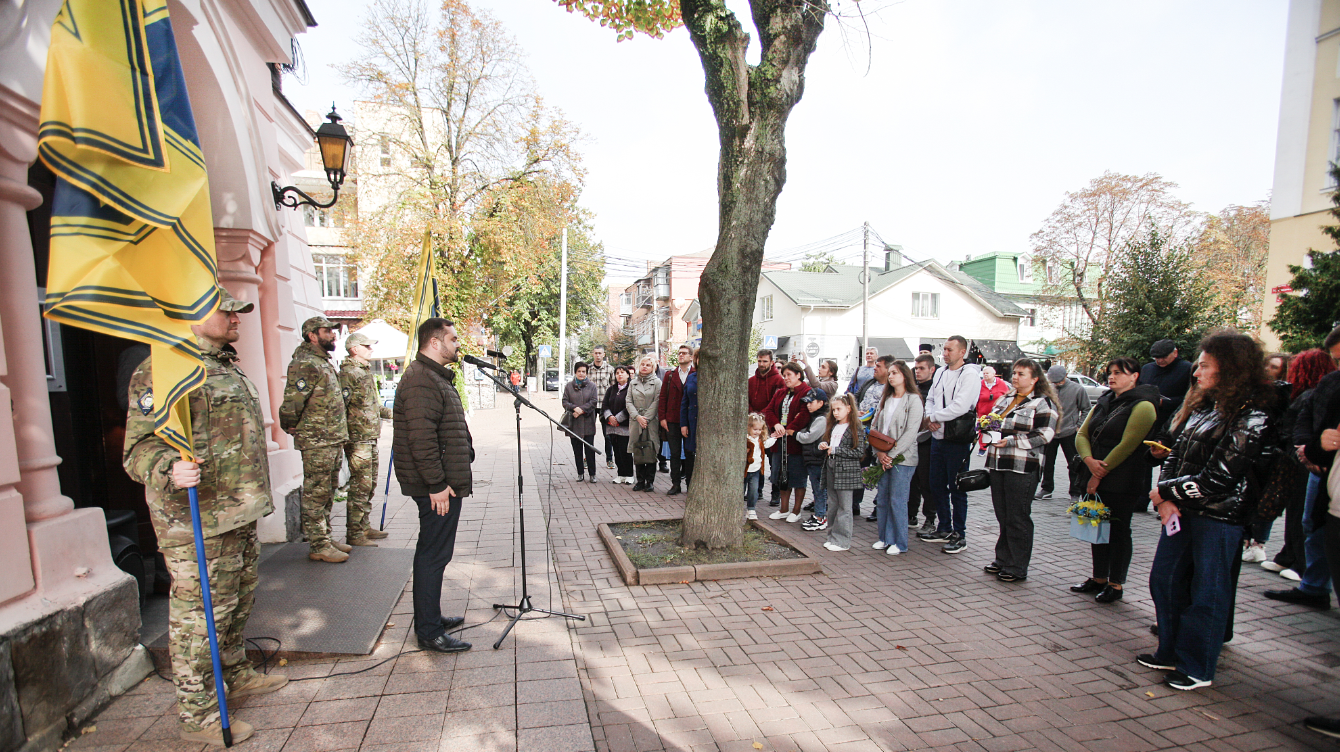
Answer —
1032 318
925 305
337 276
386 151
308 216
765 308
1025 269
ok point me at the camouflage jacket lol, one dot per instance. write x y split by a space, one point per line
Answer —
313 409
228 434
361 404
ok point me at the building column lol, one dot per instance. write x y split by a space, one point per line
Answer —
239 253
67 549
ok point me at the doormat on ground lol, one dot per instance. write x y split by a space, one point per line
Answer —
315 607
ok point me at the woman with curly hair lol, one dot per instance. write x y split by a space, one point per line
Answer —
1222 441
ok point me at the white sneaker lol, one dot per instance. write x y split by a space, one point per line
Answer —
893 551
1289 574
793 517
832 547
751 515
1271 566
1255 553
880 545
777 516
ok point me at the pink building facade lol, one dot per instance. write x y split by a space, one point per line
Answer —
69 615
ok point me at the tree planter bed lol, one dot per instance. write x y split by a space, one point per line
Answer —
769 553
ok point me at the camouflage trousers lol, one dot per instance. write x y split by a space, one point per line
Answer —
320 478
362 458
231 559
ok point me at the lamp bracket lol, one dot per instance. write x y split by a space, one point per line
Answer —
288 196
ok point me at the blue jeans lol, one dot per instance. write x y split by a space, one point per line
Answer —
947 461
1317 576
891 504
752 483
820 493
1191 582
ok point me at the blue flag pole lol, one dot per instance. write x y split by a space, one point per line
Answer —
209 616
390 465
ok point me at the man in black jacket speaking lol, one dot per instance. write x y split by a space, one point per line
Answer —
433 451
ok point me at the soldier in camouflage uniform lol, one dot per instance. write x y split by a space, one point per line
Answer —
313 412
232 478
365 414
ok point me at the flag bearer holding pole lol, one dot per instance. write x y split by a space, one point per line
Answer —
231 478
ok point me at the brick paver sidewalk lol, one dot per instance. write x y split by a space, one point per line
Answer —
915 651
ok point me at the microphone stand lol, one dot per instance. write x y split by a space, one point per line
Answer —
524 606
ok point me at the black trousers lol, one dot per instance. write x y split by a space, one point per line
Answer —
918 494
1066 445
580 450
1012 498
678 468
605 432
1292 555
646 473
432 553
623 461
1112 560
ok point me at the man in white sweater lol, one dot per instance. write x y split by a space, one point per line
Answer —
953 396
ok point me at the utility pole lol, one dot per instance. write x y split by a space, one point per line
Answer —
865 294
563 315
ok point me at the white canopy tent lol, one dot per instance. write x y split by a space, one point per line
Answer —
391 342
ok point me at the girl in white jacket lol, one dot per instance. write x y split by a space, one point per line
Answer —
756 461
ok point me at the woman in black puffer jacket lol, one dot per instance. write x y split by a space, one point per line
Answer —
1223 440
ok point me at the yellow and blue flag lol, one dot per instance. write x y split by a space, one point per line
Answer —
425 305
132 232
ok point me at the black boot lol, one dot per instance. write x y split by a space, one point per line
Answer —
675 490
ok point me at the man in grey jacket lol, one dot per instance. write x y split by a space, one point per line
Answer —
1074 404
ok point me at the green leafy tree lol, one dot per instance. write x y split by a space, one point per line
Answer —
623 348
1305 317
817 262
1154 292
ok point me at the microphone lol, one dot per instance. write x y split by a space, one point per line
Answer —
495 354
479 362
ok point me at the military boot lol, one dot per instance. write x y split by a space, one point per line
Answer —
374 533
329 553
213 733
256 683
342 546
361 541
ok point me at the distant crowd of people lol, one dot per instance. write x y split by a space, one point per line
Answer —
1239 438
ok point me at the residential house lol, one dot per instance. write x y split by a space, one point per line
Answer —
1307 146
910 305
1048 319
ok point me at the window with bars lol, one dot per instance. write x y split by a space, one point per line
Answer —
925 305
337 275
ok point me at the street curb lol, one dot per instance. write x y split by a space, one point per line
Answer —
632 575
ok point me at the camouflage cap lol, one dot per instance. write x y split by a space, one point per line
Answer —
316 322
229 303
358 338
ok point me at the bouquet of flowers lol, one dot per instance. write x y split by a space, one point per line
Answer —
1089 519
989 425
871 475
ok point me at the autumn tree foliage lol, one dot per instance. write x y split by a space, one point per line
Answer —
1231 252
751 104
451 131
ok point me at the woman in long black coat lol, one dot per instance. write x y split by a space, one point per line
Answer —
579 399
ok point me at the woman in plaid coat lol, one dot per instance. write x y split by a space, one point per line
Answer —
1029 419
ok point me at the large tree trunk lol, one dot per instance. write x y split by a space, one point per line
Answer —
751 104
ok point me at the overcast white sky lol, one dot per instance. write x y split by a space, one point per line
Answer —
975 117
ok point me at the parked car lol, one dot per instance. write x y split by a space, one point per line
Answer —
387 394
551 380
1091 387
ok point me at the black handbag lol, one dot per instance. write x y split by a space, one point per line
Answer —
961 430
972 480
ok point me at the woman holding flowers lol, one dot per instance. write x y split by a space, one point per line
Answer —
899 419
1111 445
1028 419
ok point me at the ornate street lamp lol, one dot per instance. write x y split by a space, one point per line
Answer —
334 142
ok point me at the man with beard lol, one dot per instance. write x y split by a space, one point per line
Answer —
765 382
313 413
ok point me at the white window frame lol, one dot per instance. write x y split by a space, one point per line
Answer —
385 144
765 308
333 269
1032 318
925 305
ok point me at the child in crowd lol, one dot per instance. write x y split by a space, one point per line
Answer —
816 401
843 446
756 461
